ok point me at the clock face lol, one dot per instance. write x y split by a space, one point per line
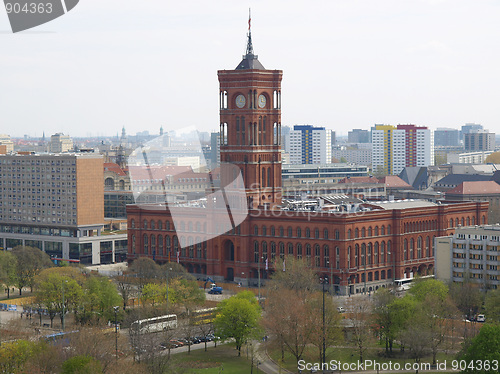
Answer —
262 101
240 101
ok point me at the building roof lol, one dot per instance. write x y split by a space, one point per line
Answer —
367 179
476 188
403 204
393 181
115 168
416 176
250 61
454 180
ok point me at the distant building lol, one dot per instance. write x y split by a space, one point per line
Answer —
468 157
309 145
215 149
358 136
469 127
453 180
328 173
5 140
355 156
471 252
60 143
479 140
446 137
395 148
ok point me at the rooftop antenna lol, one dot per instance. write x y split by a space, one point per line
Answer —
249 43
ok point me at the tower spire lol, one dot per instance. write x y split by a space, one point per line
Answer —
249 42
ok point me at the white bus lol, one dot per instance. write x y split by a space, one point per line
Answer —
155 324
405 283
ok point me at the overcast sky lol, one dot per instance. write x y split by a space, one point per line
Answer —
346 64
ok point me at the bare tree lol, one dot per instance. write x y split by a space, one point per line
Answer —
360 318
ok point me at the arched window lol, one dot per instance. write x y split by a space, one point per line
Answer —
317 254
264 249
428 246
363 232
160 225
376 230
468 221
132 223
382 252
363 254
167 226
349 234
145 224
405 249
281 247
290 232
356 233
356 255
389 252
451 222
256 251
282 231
375 253
273 250
388 229
160 244
369 253
382 230
419 247
264 230
325 234
412 247
256 230
290 249
462 221
273 231
133 244
146 245
299 251
308 232
316 233
167 244
370 233
152 225
299 232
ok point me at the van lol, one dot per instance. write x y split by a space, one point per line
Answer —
481 318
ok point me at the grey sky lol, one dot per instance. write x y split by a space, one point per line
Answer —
347 64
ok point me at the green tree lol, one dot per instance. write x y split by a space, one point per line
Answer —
186 292
382 315
153 293
484 347
8 268
400 312
13 355
492 305
58 293
99 297
466 296
30 262
238 318
81 365
422 288
145 270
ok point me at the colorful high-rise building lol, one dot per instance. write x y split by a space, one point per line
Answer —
395 148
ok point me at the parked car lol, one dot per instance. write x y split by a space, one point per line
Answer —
480 318
340 309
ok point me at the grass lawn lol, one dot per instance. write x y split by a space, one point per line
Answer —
223 359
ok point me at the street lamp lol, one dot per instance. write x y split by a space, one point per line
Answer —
116 330
323 359
168 268
63 305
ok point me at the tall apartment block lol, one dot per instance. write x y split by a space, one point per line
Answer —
358 136
394 148
55 202
309 145
479 140
471 252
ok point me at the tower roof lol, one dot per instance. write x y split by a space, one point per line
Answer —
250 61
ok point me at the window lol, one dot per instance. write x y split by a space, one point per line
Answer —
145 224
290 249
256 251
299 251
273 231
264 230
152 225
256 230
308 232
145 239
316 233
282 231
299 232
132 223
349 234
290 232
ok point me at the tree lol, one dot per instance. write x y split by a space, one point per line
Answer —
423 288
8 268
58 293
299 276
417 337
144 270
186 292
466 296
361 311
100 296
493 158
153 293
125 288
382 299
81 365
333 331
484 347
492 305
238 318
30 262
400 312
289 321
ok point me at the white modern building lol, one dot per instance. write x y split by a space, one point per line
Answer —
309 145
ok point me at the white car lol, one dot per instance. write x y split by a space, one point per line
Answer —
481 318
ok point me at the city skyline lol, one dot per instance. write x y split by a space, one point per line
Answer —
346 65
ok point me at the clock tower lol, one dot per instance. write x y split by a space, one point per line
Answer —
250 127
